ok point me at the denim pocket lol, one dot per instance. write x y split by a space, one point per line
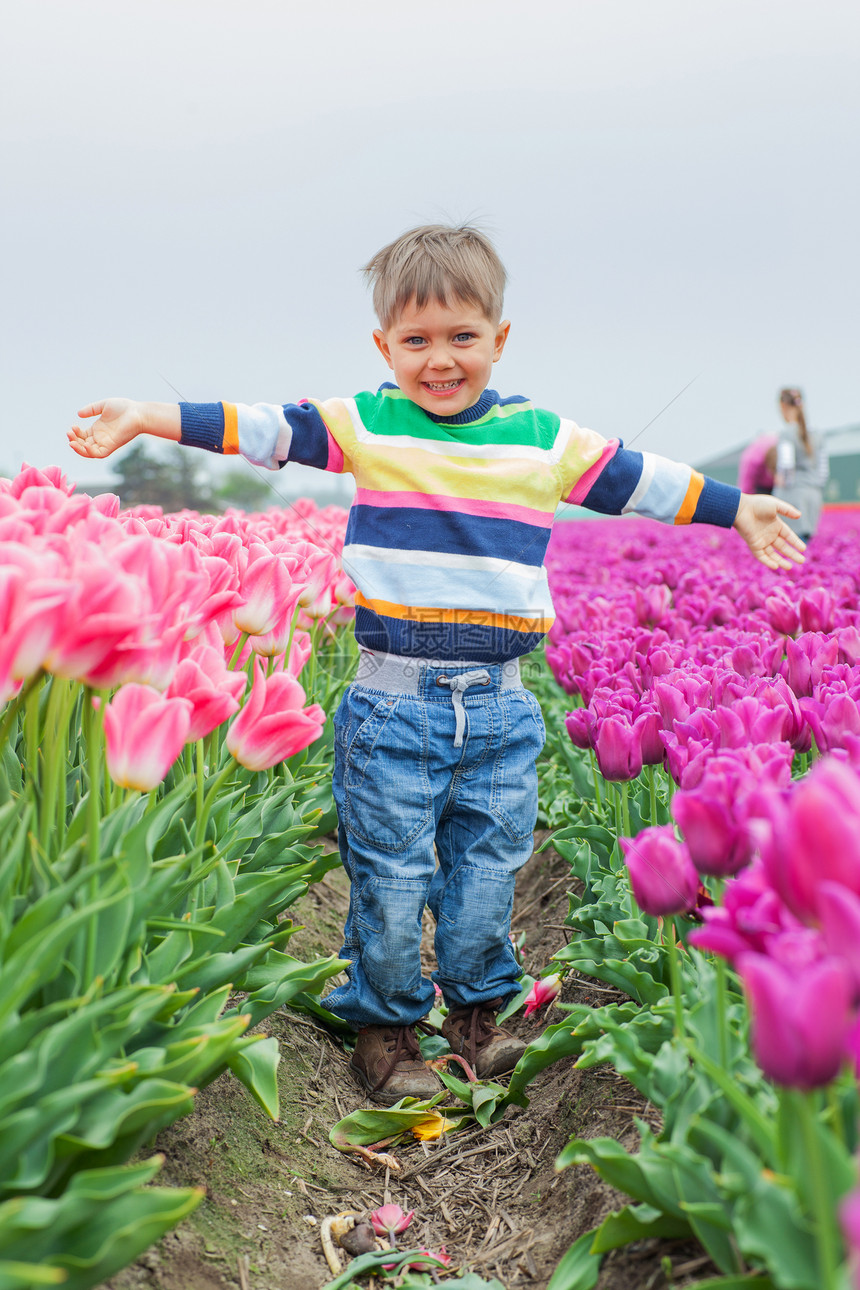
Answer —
513 795
389 914
386 784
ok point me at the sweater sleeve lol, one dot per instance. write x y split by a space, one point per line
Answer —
602 475
269 434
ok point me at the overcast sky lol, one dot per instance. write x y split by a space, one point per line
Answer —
190 189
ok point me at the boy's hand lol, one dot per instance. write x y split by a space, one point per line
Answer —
765 533
120 421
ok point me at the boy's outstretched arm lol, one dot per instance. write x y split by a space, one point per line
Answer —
120 421
766 534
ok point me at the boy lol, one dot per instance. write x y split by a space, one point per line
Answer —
436 740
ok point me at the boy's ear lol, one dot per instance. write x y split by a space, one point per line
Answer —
383 346
501 336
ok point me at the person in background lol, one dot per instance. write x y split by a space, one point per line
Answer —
800 465
755 468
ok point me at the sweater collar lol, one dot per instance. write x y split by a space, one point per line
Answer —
480 409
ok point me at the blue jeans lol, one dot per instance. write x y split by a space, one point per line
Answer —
403 789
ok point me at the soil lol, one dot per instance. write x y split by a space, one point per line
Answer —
491 1196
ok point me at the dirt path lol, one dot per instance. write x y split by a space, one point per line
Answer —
490 1196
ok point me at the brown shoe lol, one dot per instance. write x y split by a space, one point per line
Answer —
472 1033
388 1063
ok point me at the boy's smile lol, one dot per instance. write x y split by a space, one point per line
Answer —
442 355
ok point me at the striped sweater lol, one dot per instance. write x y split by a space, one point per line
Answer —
449 526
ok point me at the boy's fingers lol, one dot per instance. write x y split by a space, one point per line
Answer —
92 409
789 535
786 508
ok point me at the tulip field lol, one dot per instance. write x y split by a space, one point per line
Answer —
167 685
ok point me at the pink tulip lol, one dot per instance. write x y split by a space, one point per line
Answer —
662 875
213 691
801 1018
542 993
144 734
390 1220
267 592
274 724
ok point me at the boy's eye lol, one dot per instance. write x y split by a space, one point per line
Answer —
465 336
414 341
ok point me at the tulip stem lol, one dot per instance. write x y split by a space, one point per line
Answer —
16 704
200 771
675 978
56 722
214 788
821 1198
596 780
722 1013
293 625
652 790
91 735
31 743
836 1120
625 807
240 645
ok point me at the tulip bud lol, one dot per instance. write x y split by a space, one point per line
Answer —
542 992
662 875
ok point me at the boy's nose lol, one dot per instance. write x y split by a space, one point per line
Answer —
440 358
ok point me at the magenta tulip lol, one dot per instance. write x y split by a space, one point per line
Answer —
618 747
662 875
815 838
750 917
579 725
801 1018
144 734
274 724
782 615
849 1221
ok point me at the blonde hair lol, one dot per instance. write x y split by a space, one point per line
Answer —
437 262
792 397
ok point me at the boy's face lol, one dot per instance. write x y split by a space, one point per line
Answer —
442 355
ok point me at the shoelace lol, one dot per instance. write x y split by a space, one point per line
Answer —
457 685
405 1045
482 1026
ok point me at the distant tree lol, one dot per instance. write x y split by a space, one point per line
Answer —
171 479
246 491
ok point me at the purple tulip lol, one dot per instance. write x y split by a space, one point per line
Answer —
830 722
749 721
751 916
650 727
815 838
662 875
579 725
849 1221
806 658
618 748
839 910
782 615
801 1018
718 844
816 610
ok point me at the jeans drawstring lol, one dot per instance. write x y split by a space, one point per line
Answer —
457 685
